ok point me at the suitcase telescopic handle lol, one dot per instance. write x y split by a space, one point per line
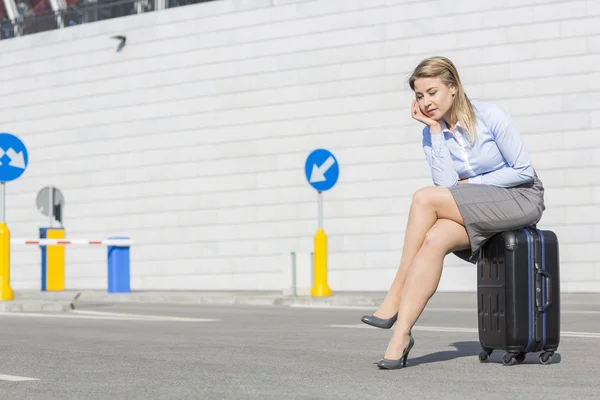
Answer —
548 302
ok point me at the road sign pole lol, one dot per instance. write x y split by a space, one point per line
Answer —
320 222
322 172
6 292
13 163
2 202
50 207
320 287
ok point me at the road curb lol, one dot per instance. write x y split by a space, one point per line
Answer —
33 301
19 306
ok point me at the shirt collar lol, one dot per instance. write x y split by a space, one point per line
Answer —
445 127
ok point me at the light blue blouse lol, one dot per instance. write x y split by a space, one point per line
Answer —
498 156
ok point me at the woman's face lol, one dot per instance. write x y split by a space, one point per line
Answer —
434 97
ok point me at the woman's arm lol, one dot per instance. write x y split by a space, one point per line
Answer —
439 159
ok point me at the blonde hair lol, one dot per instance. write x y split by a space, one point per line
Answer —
444 69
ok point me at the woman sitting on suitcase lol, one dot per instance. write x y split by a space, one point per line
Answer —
484 184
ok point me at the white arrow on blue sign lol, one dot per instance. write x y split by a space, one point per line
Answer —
13 157
321 169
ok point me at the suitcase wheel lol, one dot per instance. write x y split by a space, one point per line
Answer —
546 357
513 358
484 356
520 357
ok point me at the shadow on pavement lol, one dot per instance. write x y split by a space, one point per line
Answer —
463 349
472 349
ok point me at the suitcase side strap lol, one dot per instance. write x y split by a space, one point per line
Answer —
546 289
531 276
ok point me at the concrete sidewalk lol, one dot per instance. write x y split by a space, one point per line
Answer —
36 301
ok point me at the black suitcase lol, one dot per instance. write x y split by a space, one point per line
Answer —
518 295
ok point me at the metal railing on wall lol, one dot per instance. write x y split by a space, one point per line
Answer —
41 22
84 13
87 13
7 29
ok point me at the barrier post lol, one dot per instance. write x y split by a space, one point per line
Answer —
53 261
6 292
118 268
320 287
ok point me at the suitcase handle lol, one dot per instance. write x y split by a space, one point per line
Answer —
548 303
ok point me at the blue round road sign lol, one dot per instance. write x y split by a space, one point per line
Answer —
13 157
321 169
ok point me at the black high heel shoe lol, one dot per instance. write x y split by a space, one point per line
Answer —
396 364
383 323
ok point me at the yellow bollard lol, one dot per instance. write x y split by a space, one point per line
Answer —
55 262
6 292
320 287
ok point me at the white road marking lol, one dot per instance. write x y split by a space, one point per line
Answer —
14 378
434 309
332 306
589 335
580 312
142 316
339 307
580 334
82 314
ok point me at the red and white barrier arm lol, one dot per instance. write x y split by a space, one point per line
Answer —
66 242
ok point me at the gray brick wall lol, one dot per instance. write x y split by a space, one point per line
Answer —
192 140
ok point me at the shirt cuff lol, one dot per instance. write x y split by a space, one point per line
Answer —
437 143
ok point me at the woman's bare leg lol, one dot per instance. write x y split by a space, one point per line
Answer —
424 274
428 204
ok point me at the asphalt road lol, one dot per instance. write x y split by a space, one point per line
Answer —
161 351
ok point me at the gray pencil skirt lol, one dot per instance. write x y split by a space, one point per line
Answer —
488 210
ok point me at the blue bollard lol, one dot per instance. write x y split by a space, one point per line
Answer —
118 268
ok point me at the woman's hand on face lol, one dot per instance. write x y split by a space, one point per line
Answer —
419 116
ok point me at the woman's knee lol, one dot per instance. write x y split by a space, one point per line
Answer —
432 195
436 239
445 236
424 195
440 199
